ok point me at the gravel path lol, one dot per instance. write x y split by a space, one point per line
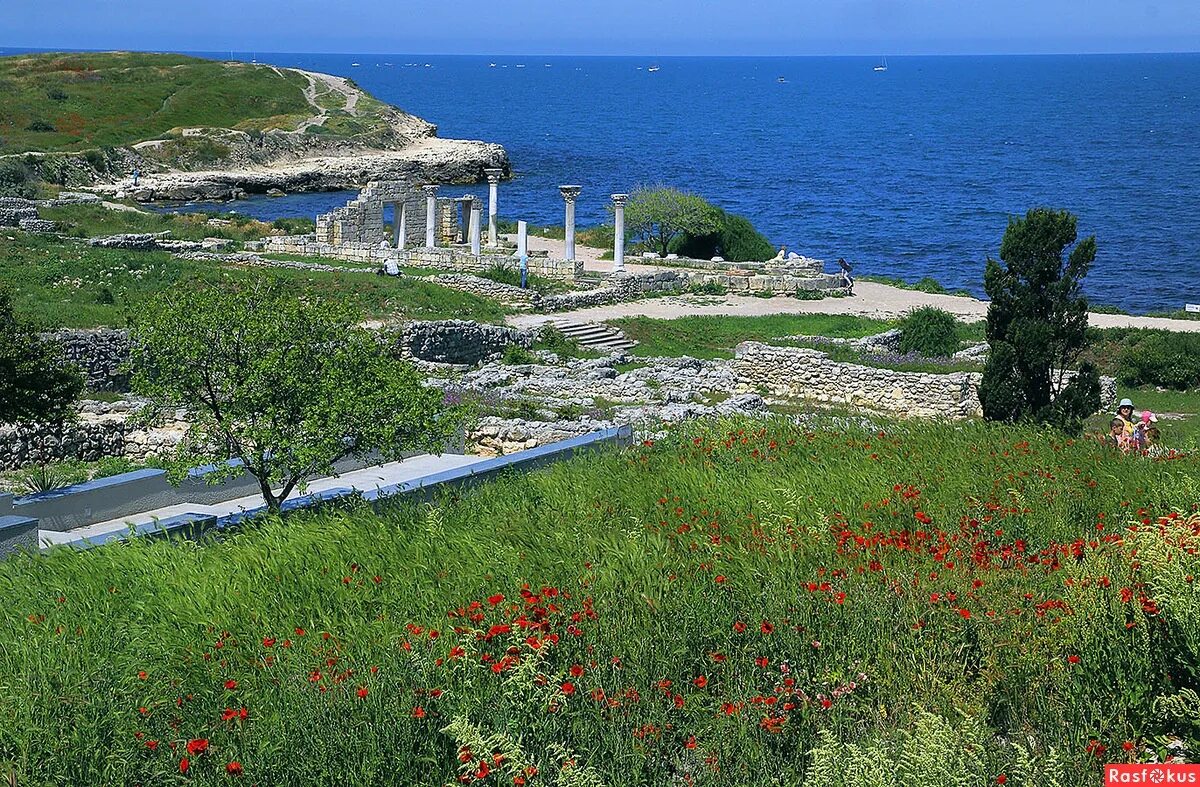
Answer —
870 300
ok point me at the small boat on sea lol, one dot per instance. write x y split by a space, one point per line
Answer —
782 80
491 65
654 68
882 66
354 65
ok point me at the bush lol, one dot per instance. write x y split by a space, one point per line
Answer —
17 179
502 274
40 126
516 355
929 331
551 339
1162 358
736 241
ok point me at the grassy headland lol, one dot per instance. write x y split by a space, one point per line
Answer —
76 101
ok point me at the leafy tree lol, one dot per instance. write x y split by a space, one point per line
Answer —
735 239
37 384
1037 324
657 216
288 387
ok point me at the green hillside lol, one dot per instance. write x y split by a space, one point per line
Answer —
73 102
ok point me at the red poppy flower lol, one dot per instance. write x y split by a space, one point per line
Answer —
700 681
418 712
142 675
1073 659
739 626
966 613
231 684
197 746
234 768
495 599
766 627
183 765
362 692
568 688
576 670
152 745
1001 779
268 642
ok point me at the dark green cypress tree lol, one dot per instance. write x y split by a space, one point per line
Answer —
1037 324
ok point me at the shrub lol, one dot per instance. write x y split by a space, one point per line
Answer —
707 288
930 331
735 240
17 179
1162 358
56 93
502 274
40 126
551 339
516 355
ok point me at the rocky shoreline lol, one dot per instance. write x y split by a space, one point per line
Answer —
433 160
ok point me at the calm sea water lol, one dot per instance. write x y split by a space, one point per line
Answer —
909 173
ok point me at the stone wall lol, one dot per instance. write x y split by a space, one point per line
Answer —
14 210
102 430
620 287
457 341
101 354
440 258
477 285
800 373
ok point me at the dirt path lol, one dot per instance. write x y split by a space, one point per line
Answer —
880 301
335 84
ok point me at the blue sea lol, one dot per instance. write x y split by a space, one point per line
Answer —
911 172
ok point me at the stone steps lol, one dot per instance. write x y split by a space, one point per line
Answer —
595 336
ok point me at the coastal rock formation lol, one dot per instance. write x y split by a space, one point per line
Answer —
280 130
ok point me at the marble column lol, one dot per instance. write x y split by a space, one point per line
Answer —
399 224
430 215
493 179
570 194
476 221
619 232
522 239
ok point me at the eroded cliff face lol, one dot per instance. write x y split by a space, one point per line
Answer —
350 138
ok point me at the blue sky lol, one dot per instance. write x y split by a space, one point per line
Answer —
644 27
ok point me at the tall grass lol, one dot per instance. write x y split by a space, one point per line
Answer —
718 608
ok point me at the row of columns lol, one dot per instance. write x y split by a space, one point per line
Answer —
569 194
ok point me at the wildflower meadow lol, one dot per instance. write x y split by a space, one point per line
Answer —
736 604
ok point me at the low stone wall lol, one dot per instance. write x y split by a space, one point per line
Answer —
101 354
101 430
800 373
440 258
477 285
457 341
14 210
620 287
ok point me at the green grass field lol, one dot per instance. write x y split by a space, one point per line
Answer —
61 283
745 604
77 101
715 336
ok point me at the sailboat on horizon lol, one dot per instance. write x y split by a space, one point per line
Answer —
882 65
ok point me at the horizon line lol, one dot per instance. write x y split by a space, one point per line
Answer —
255 53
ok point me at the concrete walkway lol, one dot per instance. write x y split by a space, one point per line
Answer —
369 479
880 301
